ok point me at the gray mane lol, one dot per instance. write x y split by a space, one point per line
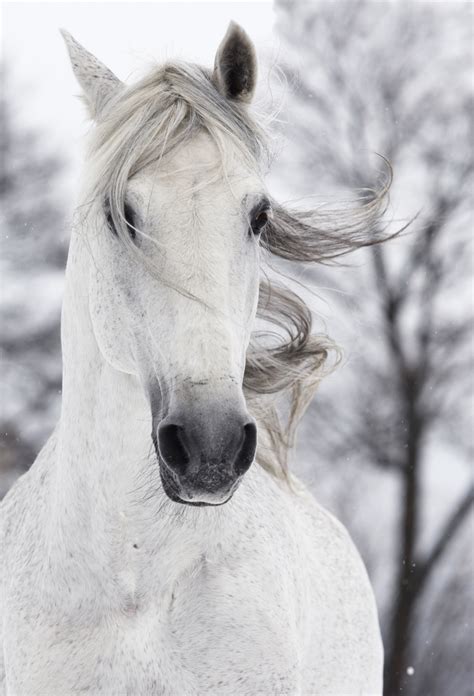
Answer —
164 111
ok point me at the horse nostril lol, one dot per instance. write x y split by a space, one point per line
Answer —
171 442
246 453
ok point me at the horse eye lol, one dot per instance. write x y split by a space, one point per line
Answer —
259 221
129 216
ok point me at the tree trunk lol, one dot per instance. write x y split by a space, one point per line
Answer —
397 658
397 654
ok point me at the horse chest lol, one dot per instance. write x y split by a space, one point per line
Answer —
208 634
76 646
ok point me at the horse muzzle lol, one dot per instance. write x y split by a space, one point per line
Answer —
203 457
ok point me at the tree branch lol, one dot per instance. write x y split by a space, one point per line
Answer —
447 534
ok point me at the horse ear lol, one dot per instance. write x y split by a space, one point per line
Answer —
97 81
235 67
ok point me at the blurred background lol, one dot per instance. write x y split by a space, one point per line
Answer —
387 444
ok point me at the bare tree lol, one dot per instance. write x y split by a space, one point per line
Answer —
395 79
33 253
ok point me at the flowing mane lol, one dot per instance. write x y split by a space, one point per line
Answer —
163 112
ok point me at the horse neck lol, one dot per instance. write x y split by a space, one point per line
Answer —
95 435
106 481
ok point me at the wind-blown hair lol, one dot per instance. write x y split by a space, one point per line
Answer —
285 359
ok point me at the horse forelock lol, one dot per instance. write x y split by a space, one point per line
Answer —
162 112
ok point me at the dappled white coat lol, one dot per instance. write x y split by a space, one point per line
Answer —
111 588
114 594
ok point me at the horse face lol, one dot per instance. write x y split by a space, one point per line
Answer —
177 310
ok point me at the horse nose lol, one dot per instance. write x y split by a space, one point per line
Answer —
206 457
180 447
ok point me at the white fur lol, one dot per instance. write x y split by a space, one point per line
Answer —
108 586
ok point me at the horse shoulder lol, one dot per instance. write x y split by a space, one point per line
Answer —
20 537
345 628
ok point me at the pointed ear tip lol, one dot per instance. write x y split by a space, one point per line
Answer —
236 35
69 39
235 28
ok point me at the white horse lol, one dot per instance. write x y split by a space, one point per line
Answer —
144 552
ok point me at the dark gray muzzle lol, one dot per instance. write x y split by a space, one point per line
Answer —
204 454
